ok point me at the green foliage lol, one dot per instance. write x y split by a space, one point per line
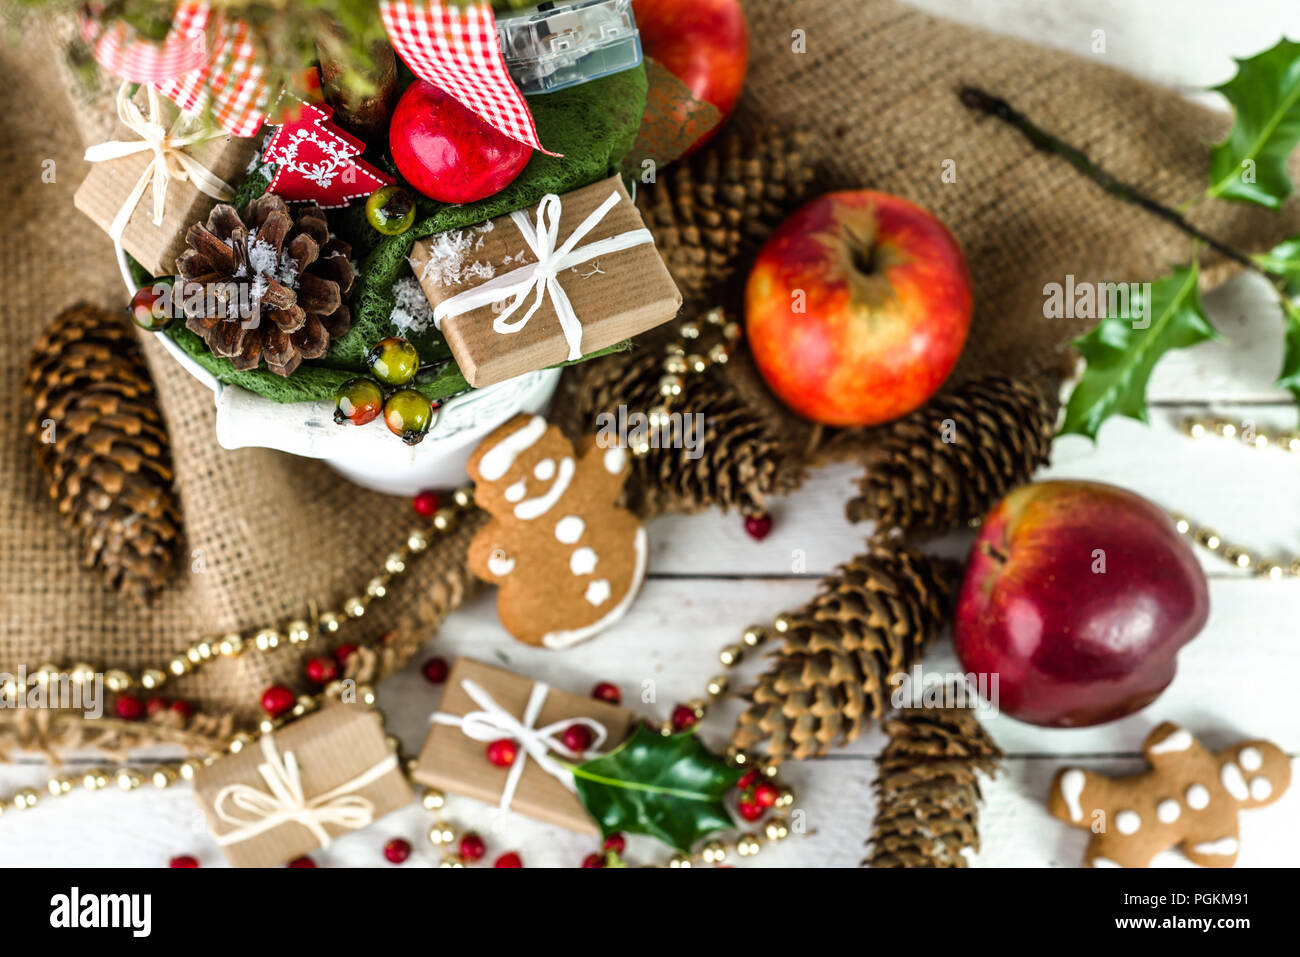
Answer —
1250 165
1290 377
1123 349
671 788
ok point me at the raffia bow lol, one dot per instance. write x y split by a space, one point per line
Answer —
284 800
493 722
170 159
542 275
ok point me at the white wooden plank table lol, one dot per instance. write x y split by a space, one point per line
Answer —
708 580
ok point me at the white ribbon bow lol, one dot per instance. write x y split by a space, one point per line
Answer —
542 274
284 800
494 722
170 159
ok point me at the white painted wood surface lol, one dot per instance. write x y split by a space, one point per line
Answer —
708 580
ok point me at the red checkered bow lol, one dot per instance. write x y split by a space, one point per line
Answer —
231 78
456 50
120 49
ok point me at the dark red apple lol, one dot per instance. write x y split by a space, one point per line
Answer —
447 152
857 308
704 43
1078 596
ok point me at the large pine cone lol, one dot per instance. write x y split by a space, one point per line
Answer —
873 619
928 792
707 212
948 463
101 440
278 281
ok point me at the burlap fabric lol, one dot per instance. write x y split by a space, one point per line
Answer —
877 83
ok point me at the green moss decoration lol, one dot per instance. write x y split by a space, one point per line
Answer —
594 125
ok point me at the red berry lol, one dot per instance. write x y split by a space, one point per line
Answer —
750 810
397 850
435 670
608 692
593 860
322 670
155 705
758 526
509 859
151 305
182 708
746 780
302 862
502 752
616 843
343 652
578 738
129 708
683 718
425 503
183 860
277 700
358 401
766 794
472 847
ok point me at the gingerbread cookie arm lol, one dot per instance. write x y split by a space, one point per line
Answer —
607 468
1217 851
488 557
1170 745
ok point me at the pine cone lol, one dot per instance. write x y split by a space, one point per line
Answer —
873 619
927 794
707 211
739 461
948 463
278 284
101 439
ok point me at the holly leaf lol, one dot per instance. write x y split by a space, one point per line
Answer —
1284 260
671 788
1124 347
1250 165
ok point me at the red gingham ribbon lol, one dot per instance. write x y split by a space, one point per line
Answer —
120 49
233 80
457 51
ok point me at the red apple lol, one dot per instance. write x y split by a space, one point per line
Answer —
704 43
857 308
447 152
1078 596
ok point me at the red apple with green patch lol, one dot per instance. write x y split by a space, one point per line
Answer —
857 308
1078 596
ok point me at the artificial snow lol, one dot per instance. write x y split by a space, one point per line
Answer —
412 312
447 254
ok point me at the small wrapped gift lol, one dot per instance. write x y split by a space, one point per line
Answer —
576 274
157 177
484 704
300 787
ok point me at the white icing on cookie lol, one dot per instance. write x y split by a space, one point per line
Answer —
1261 788
614 459
1128 822
496 461
1168 810
1072 784
1104 862
566 639
500 564
569 529
532 508
583 562
1250 759
598 592
544 469
1198 797
516 492
1222 847
1180 740
1233 782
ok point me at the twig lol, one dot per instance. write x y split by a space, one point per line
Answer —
982 102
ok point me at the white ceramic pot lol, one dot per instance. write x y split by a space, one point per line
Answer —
369 455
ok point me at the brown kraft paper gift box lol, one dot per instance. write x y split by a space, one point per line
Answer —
349 778
452 761
614 296
109 183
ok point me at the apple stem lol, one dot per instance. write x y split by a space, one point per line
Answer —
864 252
981 102
994 553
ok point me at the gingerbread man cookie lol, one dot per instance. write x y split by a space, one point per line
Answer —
568 562
1190 797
